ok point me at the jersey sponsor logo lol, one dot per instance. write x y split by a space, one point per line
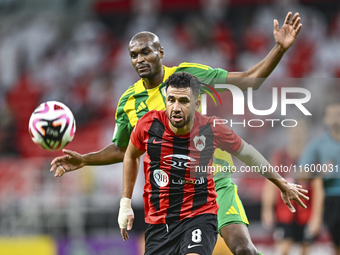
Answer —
160 177
194 245
178 161
201 180
232 210
199 142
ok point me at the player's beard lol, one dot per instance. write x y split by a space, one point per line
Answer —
184 121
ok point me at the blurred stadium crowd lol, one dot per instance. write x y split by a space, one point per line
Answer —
79 56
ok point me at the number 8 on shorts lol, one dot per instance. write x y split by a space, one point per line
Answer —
196 236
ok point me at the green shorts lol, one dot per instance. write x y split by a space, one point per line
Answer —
230 210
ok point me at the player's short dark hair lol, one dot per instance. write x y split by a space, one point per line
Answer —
184 80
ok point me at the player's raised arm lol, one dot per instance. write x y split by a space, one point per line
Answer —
284 38
289 191
73 160
130 172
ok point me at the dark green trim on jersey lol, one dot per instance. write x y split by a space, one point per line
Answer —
140 104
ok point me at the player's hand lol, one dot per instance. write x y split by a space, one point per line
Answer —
286 35
294 192
125 217
69 162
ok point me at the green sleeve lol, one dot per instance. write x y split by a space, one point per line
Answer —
123 126
205 74
122 133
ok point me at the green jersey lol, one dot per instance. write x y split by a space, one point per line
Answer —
137 100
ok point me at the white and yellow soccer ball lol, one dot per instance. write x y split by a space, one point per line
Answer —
52 125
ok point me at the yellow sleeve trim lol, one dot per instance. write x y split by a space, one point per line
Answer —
194 65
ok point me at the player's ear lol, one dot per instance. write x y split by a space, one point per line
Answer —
161 52
197 104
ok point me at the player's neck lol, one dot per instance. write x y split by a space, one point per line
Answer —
150 83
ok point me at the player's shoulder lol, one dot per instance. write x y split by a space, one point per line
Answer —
169 70
214 120
218 125
145 121
153 114
204 120
186 65
130 91
134 88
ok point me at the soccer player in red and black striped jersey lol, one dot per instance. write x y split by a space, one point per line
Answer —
179 197
146 54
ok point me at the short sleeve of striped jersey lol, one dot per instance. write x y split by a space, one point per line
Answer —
204 73
225 138
137 135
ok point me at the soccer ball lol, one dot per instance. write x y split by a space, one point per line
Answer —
52 125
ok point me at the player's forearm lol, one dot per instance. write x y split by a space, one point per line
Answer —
266 66
130 171
317 199
253 158
255 76
109 155
280 182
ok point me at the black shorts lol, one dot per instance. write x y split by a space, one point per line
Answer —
192 235
332 217
298 233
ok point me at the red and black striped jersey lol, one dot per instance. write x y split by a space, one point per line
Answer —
177 184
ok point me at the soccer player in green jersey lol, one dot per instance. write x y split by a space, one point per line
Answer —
148 94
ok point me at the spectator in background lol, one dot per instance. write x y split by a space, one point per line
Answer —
324 151
303 226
